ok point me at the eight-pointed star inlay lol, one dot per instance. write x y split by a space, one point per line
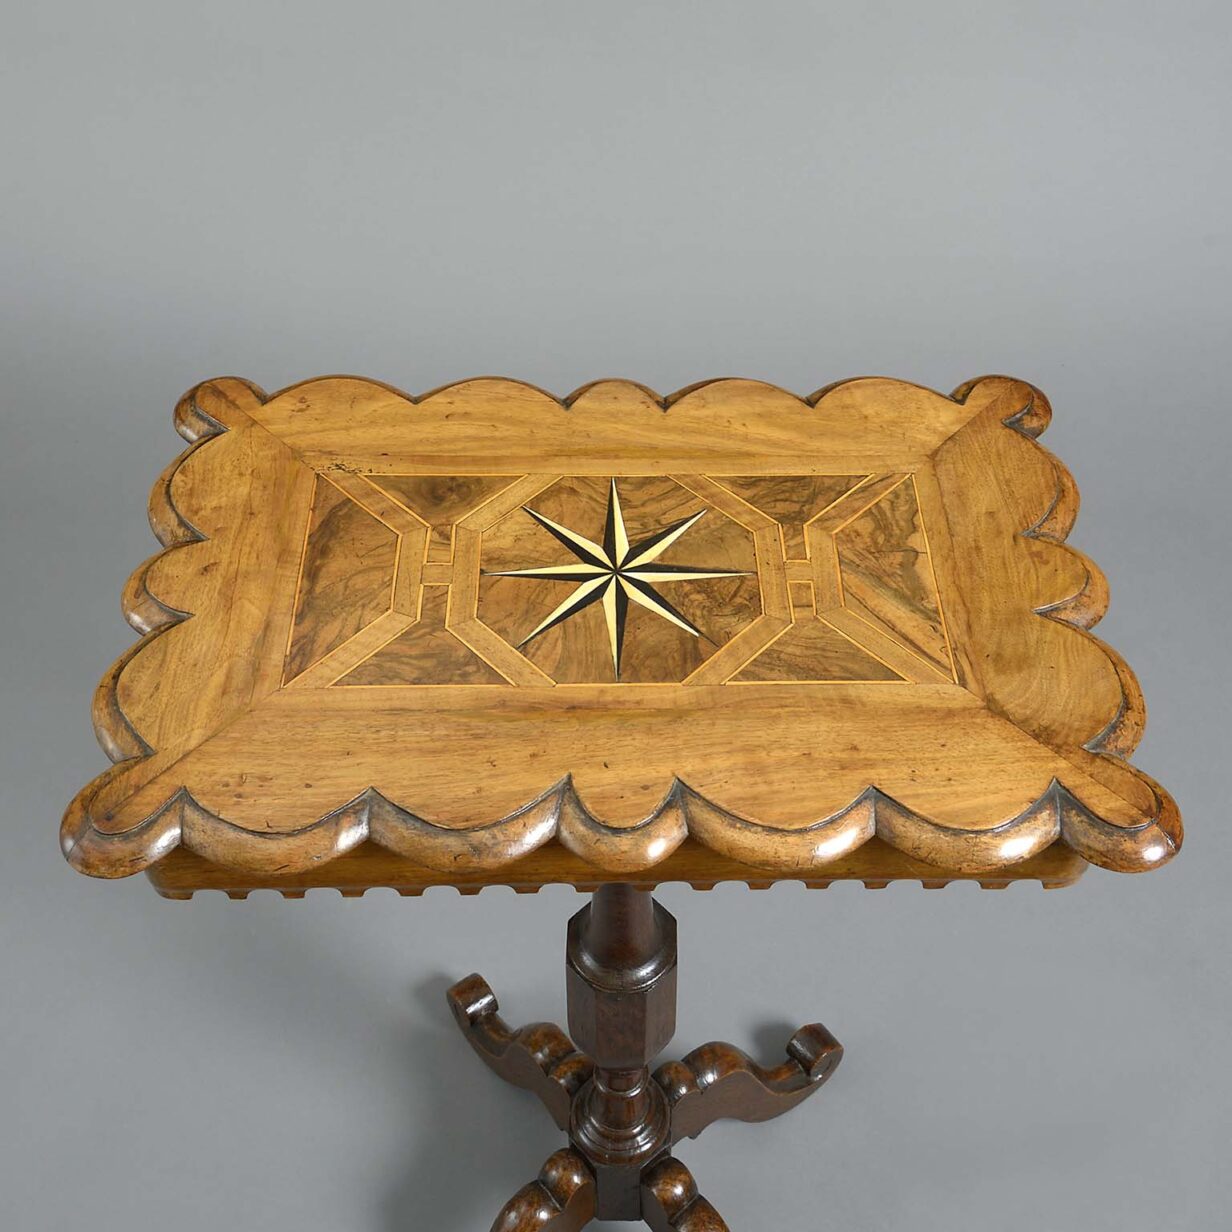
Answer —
615 572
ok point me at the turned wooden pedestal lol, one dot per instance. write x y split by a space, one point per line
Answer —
622 1120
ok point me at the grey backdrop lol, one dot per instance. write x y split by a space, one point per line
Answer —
558 192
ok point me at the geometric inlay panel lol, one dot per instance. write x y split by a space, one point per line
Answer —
635 579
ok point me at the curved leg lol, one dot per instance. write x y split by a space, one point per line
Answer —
561 1200
540 1057
719 1080
671 1203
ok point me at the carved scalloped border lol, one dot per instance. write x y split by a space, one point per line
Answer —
1084 609
559 813
1132 849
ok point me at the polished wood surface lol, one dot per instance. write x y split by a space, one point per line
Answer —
489 637
560 1199
623 1121
671 1203
875 864
539 1057
719 1081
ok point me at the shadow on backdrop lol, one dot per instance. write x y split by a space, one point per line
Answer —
474 1140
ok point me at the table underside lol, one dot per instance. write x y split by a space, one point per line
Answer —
876 864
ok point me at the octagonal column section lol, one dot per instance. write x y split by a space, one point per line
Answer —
621 977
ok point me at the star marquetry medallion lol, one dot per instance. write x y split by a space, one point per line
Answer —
614 573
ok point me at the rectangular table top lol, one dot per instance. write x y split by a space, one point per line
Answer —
486 636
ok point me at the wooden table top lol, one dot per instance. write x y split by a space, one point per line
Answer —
485 636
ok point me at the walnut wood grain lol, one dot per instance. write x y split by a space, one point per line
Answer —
719 1081
341 646
182 873
671 1203
539 1058
561 1199
886 571
346 577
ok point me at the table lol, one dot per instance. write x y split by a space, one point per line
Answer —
486 636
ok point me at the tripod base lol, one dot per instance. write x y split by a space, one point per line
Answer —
622 1120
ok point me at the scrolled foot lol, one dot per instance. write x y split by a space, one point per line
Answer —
719 1081
671 1203
539 1057
561 1200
